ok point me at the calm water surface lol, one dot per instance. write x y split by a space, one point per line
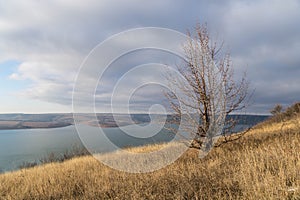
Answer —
30 145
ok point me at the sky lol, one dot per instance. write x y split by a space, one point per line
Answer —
44 43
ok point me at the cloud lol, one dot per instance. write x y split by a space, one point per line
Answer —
51 39
264 38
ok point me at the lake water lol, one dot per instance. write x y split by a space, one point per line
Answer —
30 145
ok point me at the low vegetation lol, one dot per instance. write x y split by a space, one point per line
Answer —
281 116
264 164
76 151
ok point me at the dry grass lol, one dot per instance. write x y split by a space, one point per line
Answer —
278 127
265 164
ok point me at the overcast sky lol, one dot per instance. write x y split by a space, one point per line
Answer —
43 43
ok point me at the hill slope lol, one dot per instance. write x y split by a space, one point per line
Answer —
264 164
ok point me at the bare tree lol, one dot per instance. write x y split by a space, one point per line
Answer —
276 110
212 93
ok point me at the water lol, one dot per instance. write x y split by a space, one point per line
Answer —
30 145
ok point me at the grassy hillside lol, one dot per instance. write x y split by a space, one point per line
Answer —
264 164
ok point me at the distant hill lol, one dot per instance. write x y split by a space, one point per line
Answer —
25 121
19 121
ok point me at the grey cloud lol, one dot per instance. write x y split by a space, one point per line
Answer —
51 39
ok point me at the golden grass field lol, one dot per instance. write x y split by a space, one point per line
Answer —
264 164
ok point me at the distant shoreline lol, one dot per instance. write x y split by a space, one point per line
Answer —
47 125
16 125
35 121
